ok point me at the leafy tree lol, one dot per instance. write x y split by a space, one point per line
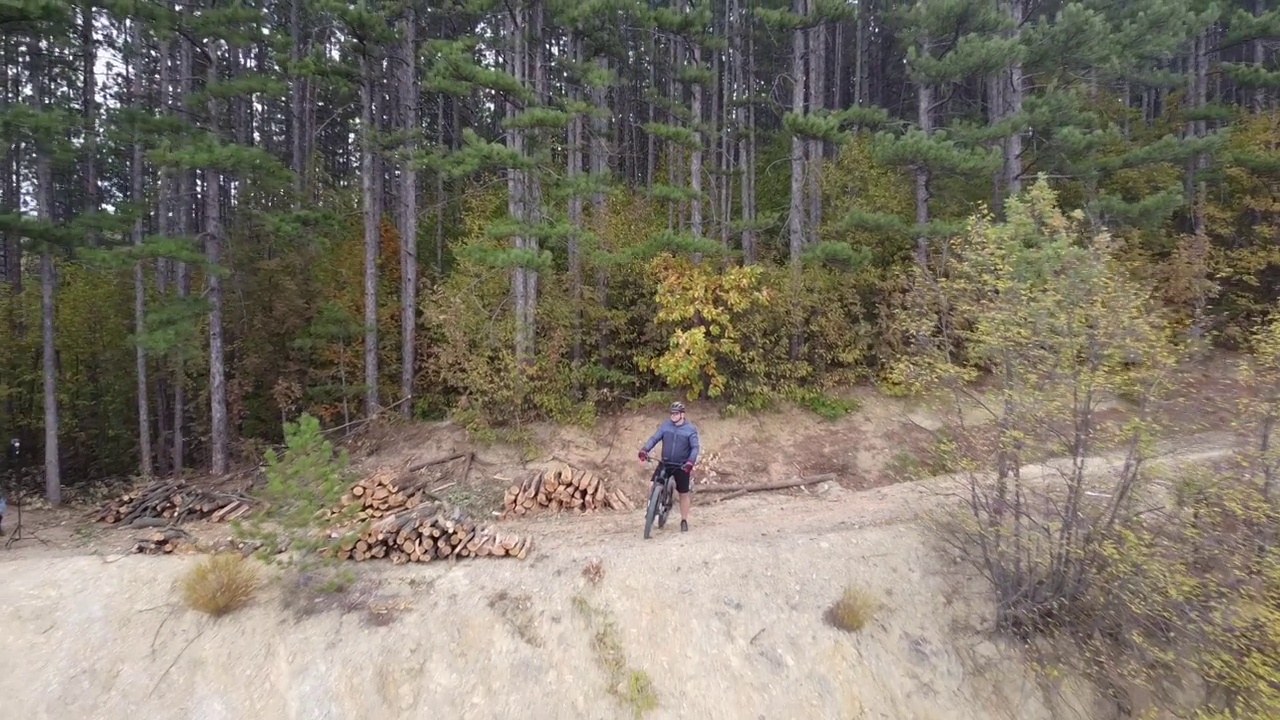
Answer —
1046 311
703 306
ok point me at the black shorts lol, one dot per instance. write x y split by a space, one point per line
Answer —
682 477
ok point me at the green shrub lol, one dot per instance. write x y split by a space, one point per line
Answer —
304 485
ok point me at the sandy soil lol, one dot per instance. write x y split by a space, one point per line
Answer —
727 620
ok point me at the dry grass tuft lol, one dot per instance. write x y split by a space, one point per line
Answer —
593 571
853 611
220 584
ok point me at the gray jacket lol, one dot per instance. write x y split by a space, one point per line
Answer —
679 442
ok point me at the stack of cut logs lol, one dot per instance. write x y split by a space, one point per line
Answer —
383 494
562 488
173 501
428 532
410 524
163 542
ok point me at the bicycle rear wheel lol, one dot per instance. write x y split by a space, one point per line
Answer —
668 496
655 499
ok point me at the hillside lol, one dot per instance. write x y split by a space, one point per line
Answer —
728 621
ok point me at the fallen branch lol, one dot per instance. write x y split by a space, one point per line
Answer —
782 485
739 493
360 422
436 461
466 470
166 502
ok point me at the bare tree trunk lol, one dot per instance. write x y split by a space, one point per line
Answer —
798 225
1259 58
533 183
371 237
44 211
1197 97
925 120
166 203
10 248
89 111
996 102
52 471
737 85
727 165
599 168
675 210
838 68
651 162
749 235
242 106
695 160
297 133
721 145
408 216
517 192
817 147
860 50
1013 106
796 222
219 458
575 209
186 226
139 277
440 196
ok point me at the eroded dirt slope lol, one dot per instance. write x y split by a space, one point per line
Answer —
726 620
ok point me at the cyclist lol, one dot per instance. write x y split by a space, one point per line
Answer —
680 447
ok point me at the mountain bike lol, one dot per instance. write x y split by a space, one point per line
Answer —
662 491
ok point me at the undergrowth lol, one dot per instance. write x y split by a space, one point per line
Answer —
1170 592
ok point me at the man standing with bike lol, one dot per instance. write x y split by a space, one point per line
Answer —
680 447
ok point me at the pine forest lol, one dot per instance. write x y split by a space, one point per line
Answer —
216 216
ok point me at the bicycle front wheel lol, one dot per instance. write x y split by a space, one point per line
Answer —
655 499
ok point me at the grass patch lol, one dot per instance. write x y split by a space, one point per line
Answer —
852 611
220 584
825 406
632 686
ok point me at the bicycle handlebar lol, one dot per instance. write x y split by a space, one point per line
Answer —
652 459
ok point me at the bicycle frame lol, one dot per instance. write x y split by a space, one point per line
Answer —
662 491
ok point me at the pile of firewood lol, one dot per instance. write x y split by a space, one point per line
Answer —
389 490
173 501
562 488
383 495
163 542
408 522
429 532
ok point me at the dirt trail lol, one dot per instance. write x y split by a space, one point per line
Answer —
727 620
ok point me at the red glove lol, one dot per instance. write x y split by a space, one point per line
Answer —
688 466
643 456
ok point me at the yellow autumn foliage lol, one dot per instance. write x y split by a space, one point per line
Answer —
702 304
